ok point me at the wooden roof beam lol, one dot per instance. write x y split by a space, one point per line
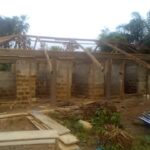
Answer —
134 58
92 57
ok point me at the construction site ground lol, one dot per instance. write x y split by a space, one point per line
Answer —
130 108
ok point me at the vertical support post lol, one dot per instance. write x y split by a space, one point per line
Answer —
53 81
69 79
122 76
108 69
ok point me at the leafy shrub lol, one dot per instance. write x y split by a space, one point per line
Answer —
103 117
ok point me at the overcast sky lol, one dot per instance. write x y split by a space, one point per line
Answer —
73 18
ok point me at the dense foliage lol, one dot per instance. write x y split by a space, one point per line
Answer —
13 25
134 35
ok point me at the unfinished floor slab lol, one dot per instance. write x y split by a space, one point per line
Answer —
43 133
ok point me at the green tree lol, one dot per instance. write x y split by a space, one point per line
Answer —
13 25
135 29
133 36
56 48
113 37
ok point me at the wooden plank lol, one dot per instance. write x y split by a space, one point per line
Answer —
52 124
34 47
35 123
48 60
12 115
27 135
92 57
68 139
28 142
60 38
62 146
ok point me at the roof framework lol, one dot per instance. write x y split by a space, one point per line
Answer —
74 43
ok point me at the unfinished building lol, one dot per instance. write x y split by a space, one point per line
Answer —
28 74
24 74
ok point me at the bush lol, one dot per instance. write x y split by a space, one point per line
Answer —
103 117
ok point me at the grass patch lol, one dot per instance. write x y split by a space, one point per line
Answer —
142 143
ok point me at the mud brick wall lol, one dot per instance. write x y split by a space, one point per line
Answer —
43 81
142 80
80 79
7 84
131 77
25 79
88 80
63 79
116 77
96 82
25 87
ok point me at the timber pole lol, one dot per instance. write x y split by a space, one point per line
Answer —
92 57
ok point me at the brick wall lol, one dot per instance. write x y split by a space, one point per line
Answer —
43 81
25 79
63 79
25 87
88 80
80 79
142 80
7 84
131 78
96 82
116 77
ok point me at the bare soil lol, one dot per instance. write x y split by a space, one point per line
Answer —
130 108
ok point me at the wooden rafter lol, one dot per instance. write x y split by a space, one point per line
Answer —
92 57
134 58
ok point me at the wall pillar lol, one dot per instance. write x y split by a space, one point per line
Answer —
108 82
96 82
25 79
63 79
142 80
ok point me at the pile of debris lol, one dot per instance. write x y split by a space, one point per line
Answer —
116 136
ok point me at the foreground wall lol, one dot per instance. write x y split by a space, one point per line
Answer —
7 84
75 75
25 79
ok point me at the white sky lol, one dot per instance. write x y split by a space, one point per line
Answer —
73 18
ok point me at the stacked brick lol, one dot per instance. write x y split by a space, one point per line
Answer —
63 79
25 87
95 91
25 80
6 93
62 91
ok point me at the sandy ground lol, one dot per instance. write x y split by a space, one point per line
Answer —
130 109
